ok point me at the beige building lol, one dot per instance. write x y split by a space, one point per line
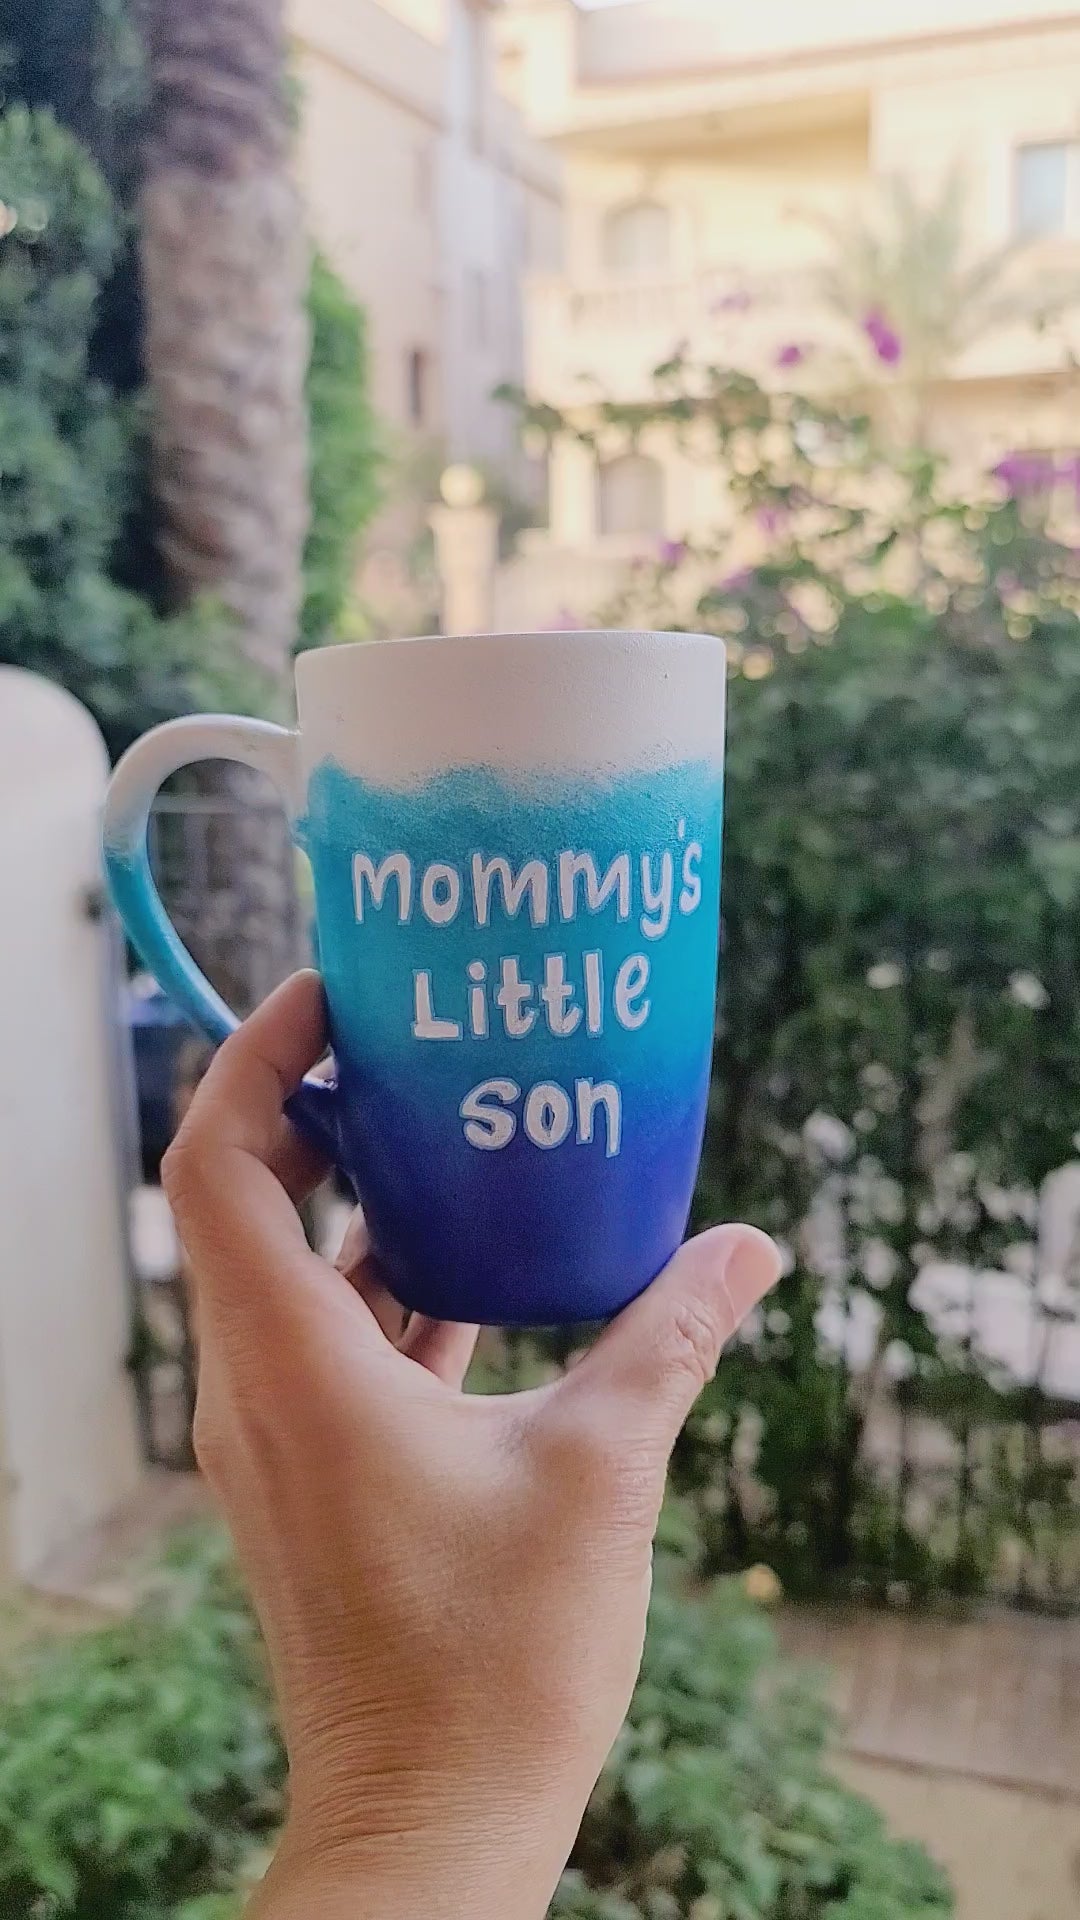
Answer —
698 135
433 202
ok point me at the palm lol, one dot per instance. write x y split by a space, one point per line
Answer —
908 262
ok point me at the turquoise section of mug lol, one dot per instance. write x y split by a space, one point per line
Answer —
525 1233
155 939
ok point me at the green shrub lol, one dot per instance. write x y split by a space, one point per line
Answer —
69 459
718 1804
344 456
138 1765
140 1774
897 1067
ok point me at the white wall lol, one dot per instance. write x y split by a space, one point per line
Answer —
371 125
68 1449
430 199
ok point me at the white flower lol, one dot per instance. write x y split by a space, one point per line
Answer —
829 1135
898 1360
885 974
888 1201
875 1074
1028 991
878 1262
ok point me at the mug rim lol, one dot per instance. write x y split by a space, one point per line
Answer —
313 657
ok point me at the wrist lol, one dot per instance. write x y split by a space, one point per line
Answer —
483 1874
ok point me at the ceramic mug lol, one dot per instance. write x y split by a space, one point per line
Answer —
515 843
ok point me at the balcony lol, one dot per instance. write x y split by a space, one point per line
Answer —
655 39
605 338
688 75
609 336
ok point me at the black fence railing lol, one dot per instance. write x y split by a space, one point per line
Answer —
946 1467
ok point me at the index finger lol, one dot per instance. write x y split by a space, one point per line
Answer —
233 1213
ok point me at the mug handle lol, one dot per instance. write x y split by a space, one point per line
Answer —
139 774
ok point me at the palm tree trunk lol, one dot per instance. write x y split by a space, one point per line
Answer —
224 266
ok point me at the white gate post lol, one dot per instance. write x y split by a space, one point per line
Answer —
466 533
69 1452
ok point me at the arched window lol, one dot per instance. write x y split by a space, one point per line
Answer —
637 239
632 495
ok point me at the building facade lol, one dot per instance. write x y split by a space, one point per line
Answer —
433 201
699 141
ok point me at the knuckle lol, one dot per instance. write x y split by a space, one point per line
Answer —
179 1170
209 1442
694 1340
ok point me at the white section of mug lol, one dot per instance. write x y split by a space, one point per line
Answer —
396 712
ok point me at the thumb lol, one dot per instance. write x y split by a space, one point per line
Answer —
664 1347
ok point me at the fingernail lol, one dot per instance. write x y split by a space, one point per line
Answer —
752 1267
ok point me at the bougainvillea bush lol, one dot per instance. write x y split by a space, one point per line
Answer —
898 1052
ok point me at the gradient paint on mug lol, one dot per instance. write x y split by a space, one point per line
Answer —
515 843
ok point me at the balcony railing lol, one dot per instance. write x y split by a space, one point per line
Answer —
610 335
651 39
618 331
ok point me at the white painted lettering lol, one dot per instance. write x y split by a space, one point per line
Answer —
425 1026
630 983
594 993
604 1094
440 893
690 897
511 997
547 1115
396 866
575 866
657 899
556 994
478 1011
532 880
489 1126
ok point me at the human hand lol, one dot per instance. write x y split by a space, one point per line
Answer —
453 1588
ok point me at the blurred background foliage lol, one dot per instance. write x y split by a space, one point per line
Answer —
141 1773
83 596
897 1067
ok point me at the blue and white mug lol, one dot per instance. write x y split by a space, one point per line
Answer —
515 841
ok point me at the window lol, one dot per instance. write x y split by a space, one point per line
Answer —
475 27
416 381
422 178
1044 189
637 239
632 496
479 308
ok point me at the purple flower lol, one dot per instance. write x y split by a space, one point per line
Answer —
884 338
736 582
1022 473
771 518
1068 471
671 552
792 355
739 301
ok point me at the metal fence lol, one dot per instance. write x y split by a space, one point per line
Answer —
959 1478
231 881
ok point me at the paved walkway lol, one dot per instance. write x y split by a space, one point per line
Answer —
996 1698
